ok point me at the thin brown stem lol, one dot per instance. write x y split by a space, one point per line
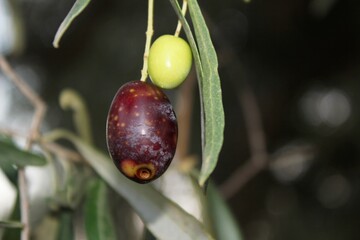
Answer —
257 144
184 105
62 151
10 132
24 204
40 108
33 98
254 126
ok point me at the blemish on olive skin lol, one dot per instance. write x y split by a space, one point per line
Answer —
116 118
132 90
123 124
143 173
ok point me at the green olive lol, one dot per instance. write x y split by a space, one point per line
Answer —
170 61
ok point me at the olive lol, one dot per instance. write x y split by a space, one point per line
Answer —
169 62
141 131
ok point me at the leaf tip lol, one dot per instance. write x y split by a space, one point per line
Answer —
56 41
202 180
55 45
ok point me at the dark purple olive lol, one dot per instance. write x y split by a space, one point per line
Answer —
141 131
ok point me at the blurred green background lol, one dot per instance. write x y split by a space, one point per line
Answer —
301 59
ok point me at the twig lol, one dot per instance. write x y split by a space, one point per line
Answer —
40 108
10 132
62 151
184 106
254 126
34 99
257 144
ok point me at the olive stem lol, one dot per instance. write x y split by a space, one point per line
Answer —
149 34
179 25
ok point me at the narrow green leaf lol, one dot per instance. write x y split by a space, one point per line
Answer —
11 224
213 119
72 100
212 96
224 224
66 230
11 154
98 222
162 217
76 9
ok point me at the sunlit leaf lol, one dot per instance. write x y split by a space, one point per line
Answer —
77 8
97 215
162 217
224 224
10 154
213 119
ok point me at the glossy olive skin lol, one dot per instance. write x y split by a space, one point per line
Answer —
142 131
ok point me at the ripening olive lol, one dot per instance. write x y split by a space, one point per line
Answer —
169 62
141 131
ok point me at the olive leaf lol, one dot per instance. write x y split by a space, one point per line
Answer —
11 224
77 8
97 216
70 99
162 217
224 223
66 229
205 58
10 154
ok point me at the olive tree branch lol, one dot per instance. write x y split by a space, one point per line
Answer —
184 107
40 109
257 144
